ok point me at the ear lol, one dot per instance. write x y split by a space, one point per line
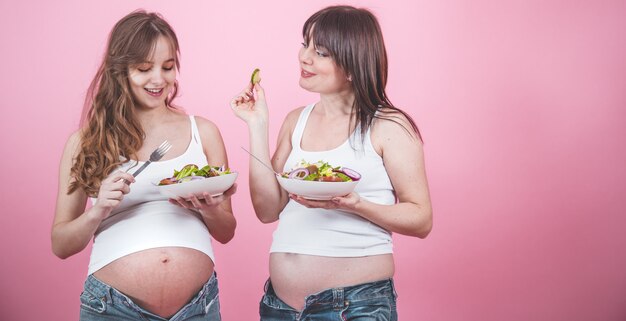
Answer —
349 78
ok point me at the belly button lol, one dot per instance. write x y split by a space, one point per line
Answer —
165 259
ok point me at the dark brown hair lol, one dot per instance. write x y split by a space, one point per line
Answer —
353 38
109 128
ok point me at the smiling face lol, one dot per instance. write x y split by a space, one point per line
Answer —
152 81
318 71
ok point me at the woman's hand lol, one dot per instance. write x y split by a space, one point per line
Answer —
215 211
249 108
345 203
206 204
111 193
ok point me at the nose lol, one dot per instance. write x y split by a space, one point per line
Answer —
156 78
305 55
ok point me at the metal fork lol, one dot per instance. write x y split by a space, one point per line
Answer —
155 156
260 161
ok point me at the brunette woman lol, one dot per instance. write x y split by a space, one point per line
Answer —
332 260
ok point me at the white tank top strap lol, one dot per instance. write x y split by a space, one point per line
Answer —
298 131
367 141
195 133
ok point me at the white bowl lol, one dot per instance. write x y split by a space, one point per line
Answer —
315 190
215 186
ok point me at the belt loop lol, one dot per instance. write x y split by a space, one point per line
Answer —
393 288
338 298
109 295
267 285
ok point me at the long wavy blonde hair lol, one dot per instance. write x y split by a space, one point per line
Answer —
109 128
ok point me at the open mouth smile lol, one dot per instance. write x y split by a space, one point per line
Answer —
155 92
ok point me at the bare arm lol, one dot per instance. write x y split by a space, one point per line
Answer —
403 159
268 198
73 227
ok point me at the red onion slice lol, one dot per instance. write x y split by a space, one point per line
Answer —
354 175
299 173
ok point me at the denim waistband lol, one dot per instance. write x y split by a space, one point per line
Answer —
112 296
338 296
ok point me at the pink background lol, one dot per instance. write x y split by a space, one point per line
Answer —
522 105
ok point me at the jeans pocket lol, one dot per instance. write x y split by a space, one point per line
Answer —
92 303
380 309
272 309
212 308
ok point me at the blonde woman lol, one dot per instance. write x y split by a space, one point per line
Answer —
152 257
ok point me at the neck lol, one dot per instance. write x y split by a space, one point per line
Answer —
151 117
336 104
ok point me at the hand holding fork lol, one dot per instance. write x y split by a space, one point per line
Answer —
156 155
109 195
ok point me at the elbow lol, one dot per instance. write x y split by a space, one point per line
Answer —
266 211
61 256
267 219
425 227
58 252
57 249
228 235
63 248
424 231
265 216
226 238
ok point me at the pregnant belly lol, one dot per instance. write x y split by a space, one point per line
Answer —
160 280
295 276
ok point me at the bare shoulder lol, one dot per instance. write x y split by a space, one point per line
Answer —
206 127
73 143
292 117
393 123
283 147
289 124
212 142
70 153
75 137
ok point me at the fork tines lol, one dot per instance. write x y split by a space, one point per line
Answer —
160 151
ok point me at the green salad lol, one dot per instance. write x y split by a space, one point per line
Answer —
192 172
321 171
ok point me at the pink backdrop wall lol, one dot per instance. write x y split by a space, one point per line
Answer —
522 105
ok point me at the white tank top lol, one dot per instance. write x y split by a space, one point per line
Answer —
145 219
336 233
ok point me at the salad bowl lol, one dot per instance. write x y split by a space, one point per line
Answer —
315 190
319 180
215 186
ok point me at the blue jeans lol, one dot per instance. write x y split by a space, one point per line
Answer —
368 301
100 301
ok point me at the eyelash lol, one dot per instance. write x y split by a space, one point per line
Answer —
146 70
319 53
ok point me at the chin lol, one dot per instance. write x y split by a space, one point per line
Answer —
306 87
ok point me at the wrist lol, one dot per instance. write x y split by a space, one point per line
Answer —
357 206
96 214
258 124
209 211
